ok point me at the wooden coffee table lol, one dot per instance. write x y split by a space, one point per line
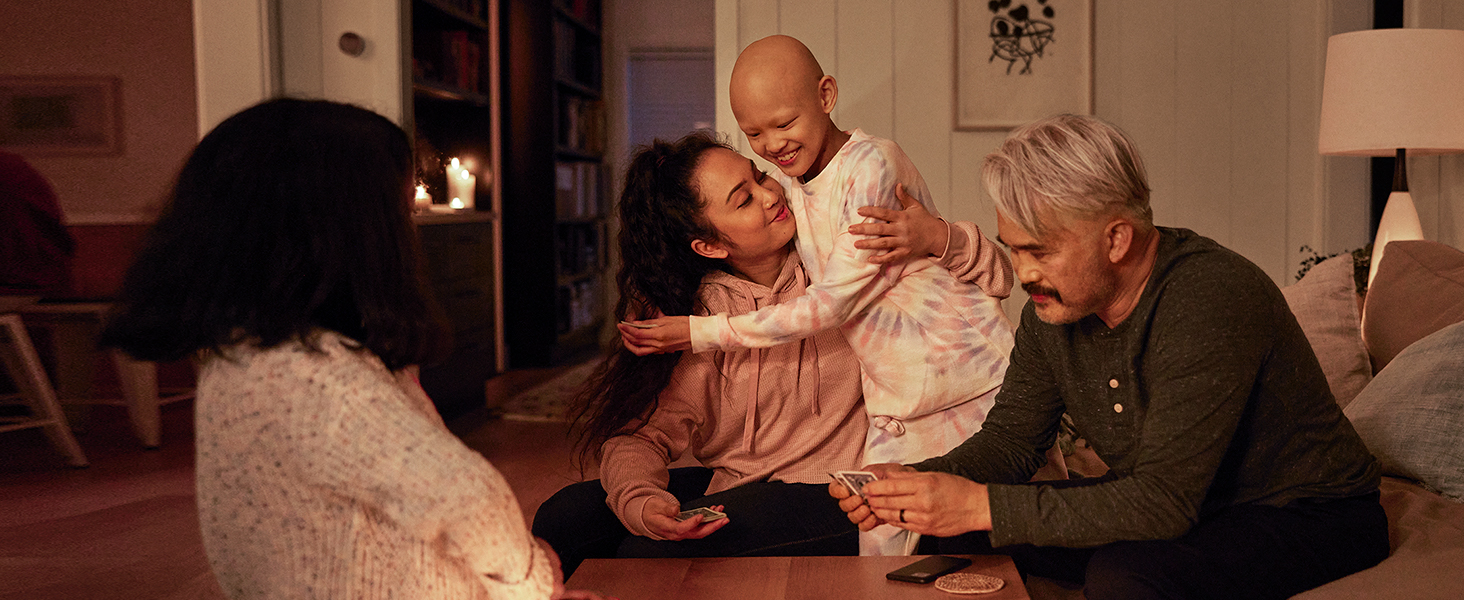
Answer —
776 578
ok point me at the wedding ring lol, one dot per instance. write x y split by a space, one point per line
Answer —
902 516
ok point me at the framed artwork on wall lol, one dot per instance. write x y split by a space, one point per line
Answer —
1021 60
61 115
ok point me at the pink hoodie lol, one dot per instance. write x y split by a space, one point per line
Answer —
807 421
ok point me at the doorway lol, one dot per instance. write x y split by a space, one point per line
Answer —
672 92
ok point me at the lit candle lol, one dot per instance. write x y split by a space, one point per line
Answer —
423 201
461 185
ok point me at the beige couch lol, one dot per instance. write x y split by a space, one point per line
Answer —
1402 386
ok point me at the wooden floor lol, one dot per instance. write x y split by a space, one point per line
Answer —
126 527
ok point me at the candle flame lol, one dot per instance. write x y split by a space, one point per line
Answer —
456 203
422 192
455 163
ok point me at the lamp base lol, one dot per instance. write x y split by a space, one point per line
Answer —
1399 222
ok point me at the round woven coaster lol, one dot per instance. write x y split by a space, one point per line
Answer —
968 583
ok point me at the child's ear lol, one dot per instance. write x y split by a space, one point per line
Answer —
708 249
828 93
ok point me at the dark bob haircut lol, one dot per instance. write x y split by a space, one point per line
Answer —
289 216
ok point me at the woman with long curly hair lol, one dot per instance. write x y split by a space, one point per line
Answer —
703 231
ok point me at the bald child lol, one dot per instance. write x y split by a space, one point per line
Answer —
932 349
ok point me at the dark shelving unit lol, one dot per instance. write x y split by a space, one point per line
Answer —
554 198
454 114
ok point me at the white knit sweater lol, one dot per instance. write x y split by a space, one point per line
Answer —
323 475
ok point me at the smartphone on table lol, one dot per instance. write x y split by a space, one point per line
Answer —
928 569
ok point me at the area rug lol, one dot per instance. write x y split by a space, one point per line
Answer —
549 401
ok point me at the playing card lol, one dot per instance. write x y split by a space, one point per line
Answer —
854 480
708 515
640 325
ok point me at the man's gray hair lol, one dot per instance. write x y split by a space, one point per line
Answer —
1067 166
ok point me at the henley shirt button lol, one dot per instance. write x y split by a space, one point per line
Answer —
1113 383
1118 408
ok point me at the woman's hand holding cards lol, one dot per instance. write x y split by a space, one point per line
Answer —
659 516
656 336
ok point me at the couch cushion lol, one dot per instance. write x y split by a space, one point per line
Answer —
1426 535
1325 304
1419 289
1412 414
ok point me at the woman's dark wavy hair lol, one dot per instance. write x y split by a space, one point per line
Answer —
288 216
660 214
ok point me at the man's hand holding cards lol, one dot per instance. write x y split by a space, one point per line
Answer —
849 488
854 481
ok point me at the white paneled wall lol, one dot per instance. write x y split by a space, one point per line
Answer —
1222 98
1437 182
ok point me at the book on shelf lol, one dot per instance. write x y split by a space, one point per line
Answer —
576 55
577 190
472 8
577 248
581 124
579 303
472 67
587 11
564 41
458 64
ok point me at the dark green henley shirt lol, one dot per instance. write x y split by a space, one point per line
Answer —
1208 395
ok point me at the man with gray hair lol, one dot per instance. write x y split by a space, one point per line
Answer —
1233 473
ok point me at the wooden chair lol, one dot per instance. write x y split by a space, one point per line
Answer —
73 325
25 369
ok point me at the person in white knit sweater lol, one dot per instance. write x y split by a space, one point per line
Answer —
287 265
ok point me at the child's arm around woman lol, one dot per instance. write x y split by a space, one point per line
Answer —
957 246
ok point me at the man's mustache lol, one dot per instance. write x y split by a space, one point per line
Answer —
1034 289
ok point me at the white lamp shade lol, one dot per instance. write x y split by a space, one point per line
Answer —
1387 89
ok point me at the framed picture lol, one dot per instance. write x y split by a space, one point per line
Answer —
1021 60
61 115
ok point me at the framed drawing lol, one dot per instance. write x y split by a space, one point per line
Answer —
1021 60
61 115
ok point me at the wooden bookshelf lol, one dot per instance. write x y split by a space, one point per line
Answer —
555 199
455 114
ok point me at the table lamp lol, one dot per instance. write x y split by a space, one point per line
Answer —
1394 92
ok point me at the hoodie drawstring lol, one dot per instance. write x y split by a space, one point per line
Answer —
807 359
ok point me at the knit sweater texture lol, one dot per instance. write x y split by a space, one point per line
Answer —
321 475
791 413
1207 396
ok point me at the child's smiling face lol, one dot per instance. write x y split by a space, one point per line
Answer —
782 101
785 129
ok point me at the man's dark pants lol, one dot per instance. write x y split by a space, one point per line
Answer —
766 518
1246 551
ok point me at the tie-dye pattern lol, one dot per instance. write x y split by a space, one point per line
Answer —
927 342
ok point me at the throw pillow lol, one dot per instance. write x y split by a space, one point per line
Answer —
1412 414
1419 289
1325 303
